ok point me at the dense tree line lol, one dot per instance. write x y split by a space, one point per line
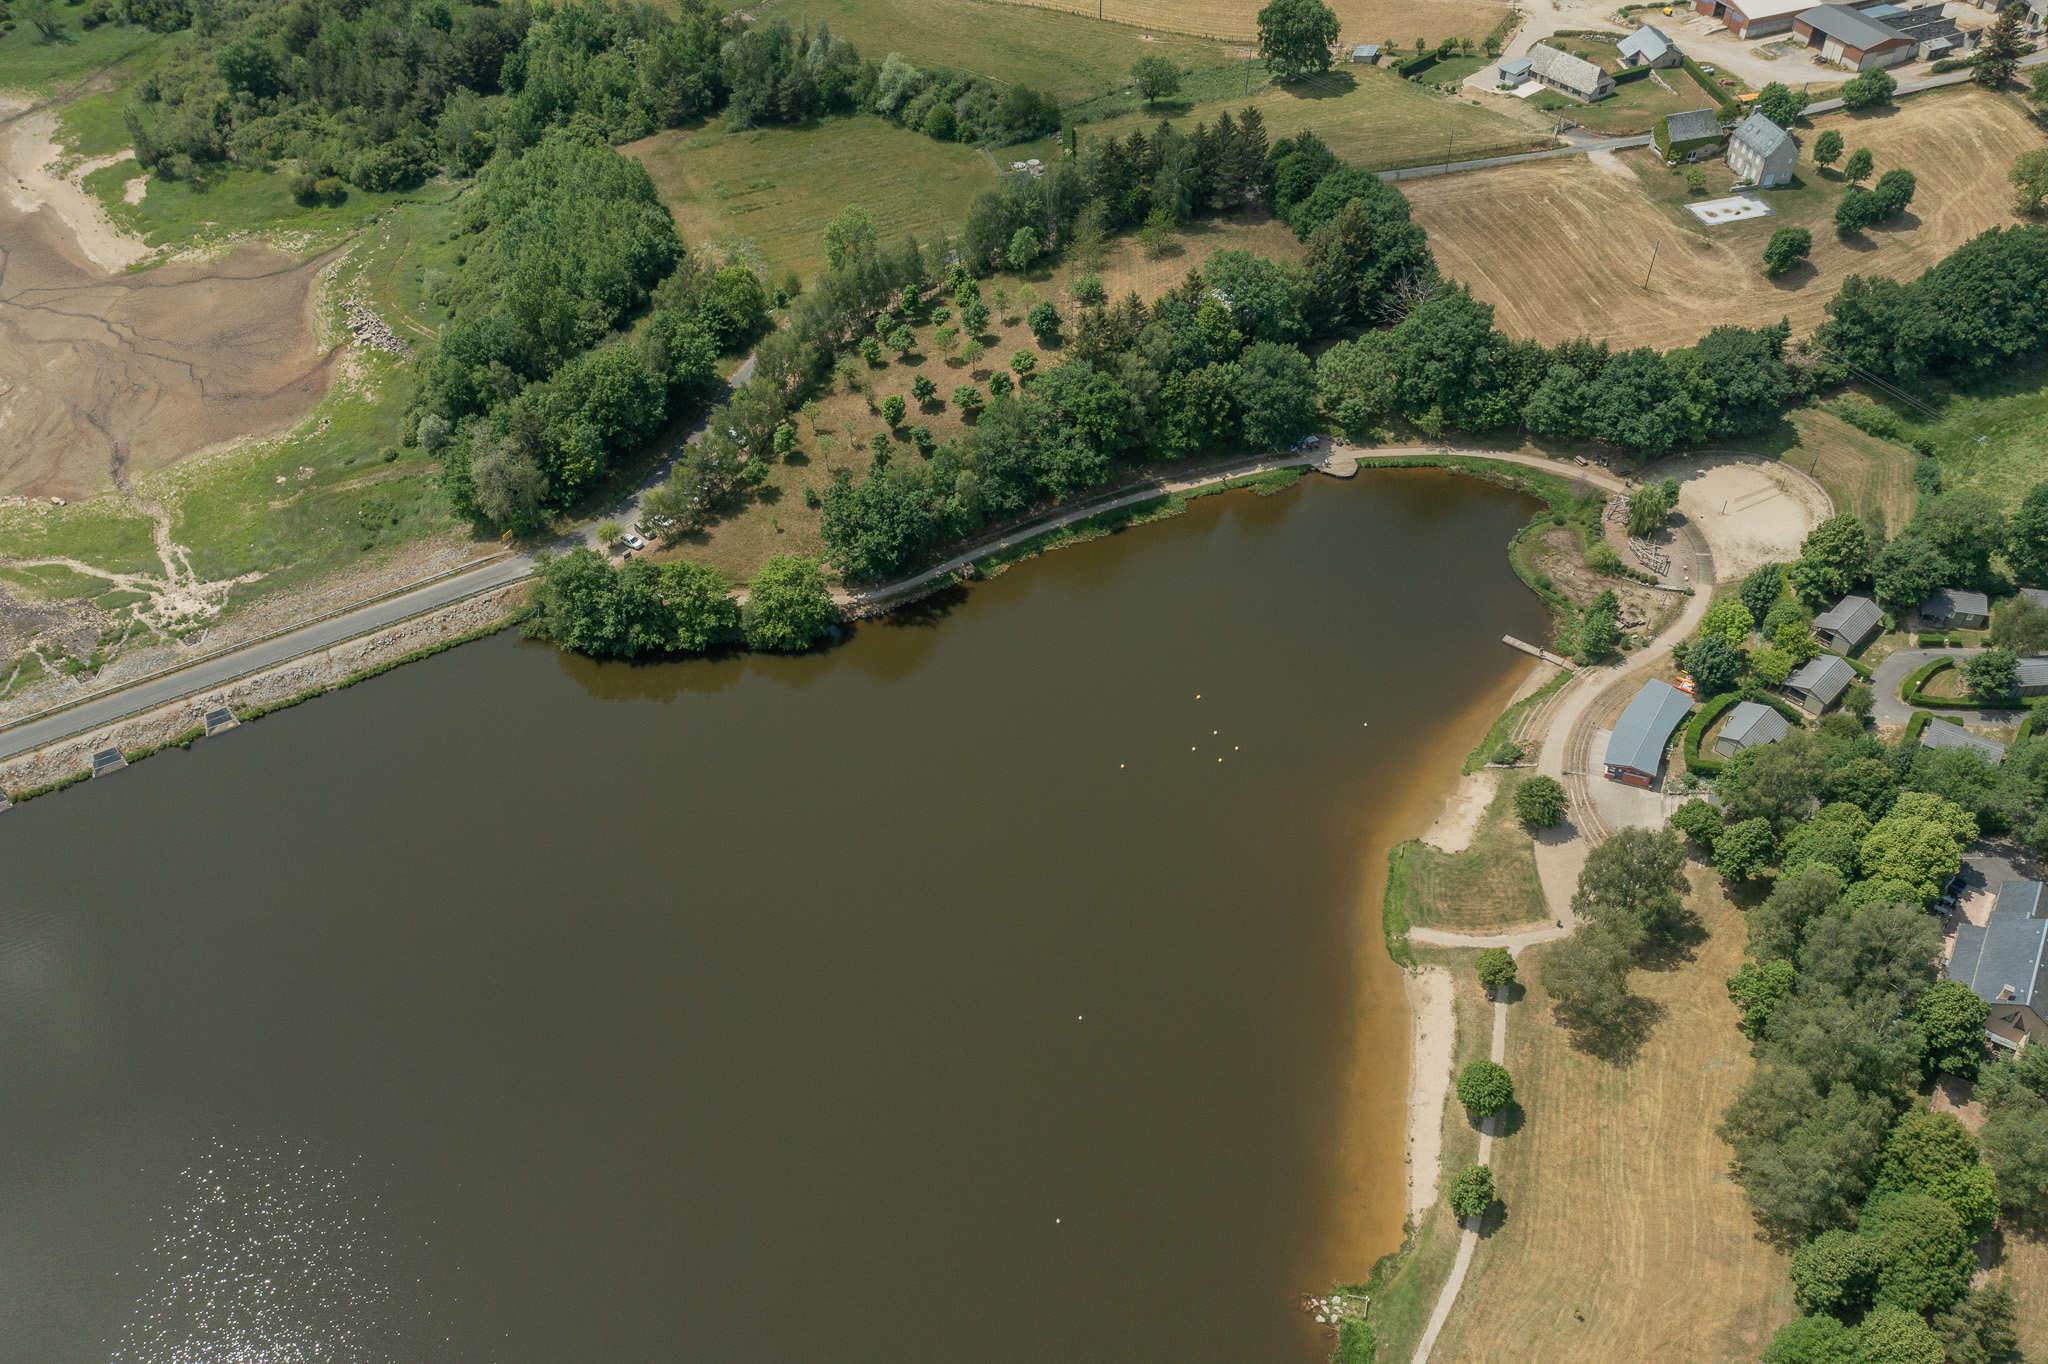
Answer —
1972 315
582 601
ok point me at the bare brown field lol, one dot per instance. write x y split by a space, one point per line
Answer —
2026 1272
1562 248
1364 21
1623 1237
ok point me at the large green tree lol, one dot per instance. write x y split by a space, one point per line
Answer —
1295 38
789 608
1485 1088
1633 883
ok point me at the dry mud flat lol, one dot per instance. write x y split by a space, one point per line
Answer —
103 372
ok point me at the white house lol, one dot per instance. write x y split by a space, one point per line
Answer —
1761 152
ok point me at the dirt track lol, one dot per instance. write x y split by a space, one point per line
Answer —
104 373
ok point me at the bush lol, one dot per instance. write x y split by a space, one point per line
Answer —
1496 968
1540 802
894 410
1507 753
1485 1088
1471 1191
1087 291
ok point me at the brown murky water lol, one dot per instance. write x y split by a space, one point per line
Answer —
970 992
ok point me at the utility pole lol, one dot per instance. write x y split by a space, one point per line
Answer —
1653 263
1450 142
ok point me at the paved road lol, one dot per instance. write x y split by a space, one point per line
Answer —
1892 673
1608 144
222 668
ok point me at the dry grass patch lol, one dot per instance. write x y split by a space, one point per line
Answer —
1562 248
1485 887
1371 118
1862 473
1624 1238
1398 22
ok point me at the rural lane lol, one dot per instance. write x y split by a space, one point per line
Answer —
1896 668
166 687
1606 144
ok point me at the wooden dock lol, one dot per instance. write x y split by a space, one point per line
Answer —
1544 654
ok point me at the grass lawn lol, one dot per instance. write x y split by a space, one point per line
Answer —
1993 436
104 532
234 202
1371 118
763 197
28 62
1070 56
1623 1236
1487 886
1636 105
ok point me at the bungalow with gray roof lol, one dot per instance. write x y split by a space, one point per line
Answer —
1956 608
1366 54
1688 135
1819 682
1648 47
1515 70
1635 751
1749 724
1761 152
2032 679
2038 596
1574 76
1946 733
2005 962
1844 626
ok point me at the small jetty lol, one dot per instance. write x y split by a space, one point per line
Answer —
1544 654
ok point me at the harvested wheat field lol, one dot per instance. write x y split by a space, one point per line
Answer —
1561 248
1623 1236
1363 21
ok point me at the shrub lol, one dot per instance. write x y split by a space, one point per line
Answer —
1471 1191
1496 968
1507 753
893 410
1540 802
1087 291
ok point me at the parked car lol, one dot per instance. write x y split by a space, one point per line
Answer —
633 541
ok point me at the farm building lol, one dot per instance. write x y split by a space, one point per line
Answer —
1574 76
2033 677
1366 54
1820 682
1515 70
1648 47
1850 39
1749 724
1689 135
2003 962
1761 152
1635 751
1945 734
1755 18
1845 625
1934 34
1955 608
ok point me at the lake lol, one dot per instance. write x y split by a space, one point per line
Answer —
1005 984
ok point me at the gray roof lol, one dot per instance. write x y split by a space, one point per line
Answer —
2038 596
1643 730
1925 24
1824 678
1956 601
1645 42
1942 734
1573 73
1692 125
1515 66
1850 27
2003 960
1760 135
1366 50
1752 723
2033 672
1851 617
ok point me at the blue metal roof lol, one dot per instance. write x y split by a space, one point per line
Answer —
1645 728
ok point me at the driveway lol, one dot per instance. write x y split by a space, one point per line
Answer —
1893 672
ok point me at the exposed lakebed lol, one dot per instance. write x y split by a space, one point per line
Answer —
971 991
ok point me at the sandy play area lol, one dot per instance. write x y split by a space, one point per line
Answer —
1753 511
103 370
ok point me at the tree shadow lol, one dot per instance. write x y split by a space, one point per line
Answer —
1675 948
1617 1040
1328 85
1906 221
1509 1120
923 614
1493 1219
1795 279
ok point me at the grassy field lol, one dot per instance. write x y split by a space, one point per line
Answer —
1635 106
1395 22
1861 473
235 203
1624 1237
1071 56
1562 248
835 428
1488 886
2009 415
27 62
764 197
1370 117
